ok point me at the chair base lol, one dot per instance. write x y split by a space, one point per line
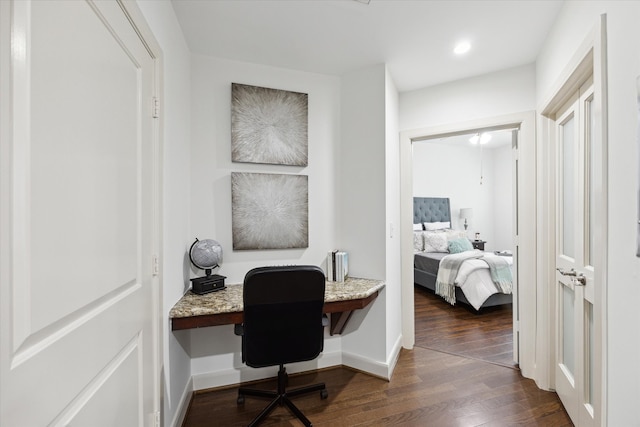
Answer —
281 397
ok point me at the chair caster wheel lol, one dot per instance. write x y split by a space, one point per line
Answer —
324 394
240 400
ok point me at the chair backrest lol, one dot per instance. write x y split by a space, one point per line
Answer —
282 315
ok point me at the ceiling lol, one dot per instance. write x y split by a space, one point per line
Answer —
415 38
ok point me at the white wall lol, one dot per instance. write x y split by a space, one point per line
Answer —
503 216
176 373
491 95
215 351
362 203
393 252
212 166
503 92
444 170
573 24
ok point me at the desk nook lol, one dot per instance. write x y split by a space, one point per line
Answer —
225 307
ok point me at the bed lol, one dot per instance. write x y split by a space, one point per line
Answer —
475 287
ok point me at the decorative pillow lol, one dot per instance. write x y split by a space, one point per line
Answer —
460 245
433 226
417 227
418 241
456 234
435 241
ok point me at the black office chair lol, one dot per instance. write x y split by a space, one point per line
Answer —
283 323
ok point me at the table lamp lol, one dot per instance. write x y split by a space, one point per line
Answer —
466 213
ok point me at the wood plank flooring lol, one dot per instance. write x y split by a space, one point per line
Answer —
428 388
460 330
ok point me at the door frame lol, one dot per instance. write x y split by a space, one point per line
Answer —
589 59
526 242
139 23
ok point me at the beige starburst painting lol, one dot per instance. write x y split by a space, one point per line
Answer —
269 211
268 126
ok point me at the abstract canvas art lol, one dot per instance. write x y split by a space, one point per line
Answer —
268 126
269 211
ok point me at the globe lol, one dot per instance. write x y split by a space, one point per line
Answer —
206 254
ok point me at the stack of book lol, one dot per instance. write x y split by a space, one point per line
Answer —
337 266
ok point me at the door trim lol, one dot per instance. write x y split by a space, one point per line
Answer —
590 58
525 121
139 23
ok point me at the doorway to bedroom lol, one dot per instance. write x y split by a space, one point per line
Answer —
524 253
475 173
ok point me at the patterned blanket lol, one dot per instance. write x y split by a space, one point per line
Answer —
499 269
500 272
448 271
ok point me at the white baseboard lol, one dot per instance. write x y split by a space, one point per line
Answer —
245 373
373 367
183 406
392 361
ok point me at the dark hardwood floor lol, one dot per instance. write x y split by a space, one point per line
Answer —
446 380
485 335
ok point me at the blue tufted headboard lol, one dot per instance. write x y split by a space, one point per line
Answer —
431 209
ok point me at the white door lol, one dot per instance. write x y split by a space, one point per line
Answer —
576 355
77 220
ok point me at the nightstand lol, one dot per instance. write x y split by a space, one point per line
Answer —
478 244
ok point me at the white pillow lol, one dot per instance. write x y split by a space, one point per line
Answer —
455 234
418 241
417 227
435 241
432 226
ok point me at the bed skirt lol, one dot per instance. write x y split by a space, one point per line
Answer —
428 280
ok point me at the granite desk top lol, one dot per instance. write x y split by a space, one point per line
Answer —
229 300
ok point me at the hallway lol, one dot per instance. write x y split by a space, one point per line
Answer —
428 387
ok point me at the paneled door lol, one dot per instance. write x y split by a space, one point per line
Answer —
78 338
576 355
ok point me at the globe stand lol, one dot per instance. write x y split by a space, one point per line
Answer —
206 255
208 283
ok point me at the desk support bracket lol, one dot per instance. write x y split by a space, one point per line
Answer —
339 322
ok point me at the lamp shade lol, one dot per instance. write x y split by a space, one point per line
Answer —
466 213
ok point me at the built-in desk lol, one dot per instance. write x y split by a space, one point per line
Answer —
225 307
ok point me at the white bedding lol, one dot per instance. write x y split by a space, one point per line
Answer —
475 281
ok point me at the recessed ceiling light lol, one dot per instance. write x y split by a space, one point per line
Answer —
462 48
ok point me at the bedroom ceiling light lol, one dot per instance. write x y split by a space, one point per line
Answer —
482 139
462 48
